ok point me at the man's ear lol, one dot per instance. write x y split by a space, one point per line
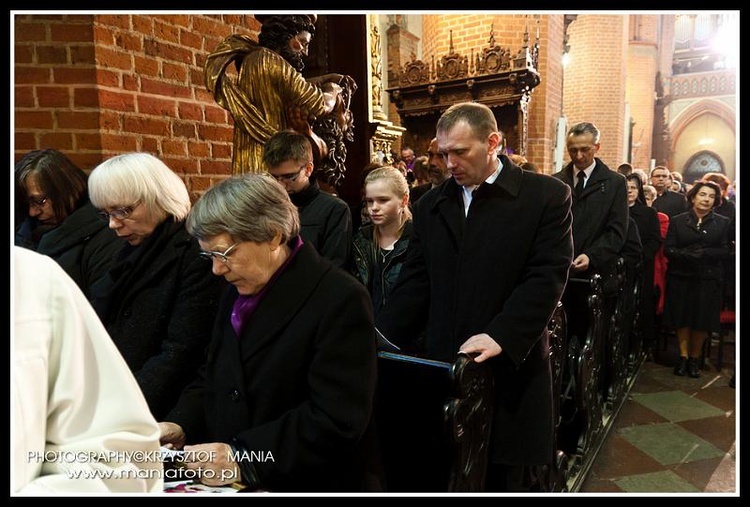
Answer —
494 142
309 169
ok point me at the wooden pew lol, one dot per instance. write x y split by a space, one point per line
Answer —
433 421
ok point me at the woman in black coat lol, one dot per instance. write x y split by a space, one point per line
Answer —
697 243
159 300
647 221
55 218
285 399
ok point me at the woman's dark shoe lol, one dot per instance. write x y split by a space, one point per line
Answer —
693 370
681 368
731 382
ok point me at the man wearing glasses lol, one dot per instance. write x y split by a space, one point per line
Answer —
667 201
325 219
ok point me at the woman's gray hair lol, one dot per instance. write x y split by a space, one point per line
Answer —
251 207
139 177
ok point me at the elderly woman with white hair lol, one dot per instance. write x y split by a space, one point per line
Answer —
159 299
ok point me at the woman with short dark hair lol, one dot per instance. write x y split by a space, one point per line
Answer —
697 242
55 217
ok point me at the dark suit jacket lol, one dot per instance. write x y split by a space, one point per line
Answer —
326 223
671 203
500 271
299 383
600 215
416 192
649 229
647 221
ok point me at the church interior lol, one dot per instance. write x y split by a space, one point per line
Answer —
661 87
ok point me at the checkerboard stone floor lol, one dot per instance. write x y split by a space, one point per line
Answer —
674 434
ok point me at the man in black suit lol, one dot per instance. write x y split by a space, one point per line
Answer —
600 202
667 201
600 230
485 269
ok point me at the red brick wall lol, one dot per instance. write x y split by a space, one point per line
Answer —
94 86
595 80
642 64
402 45
473 31
55 81
546 99
97 86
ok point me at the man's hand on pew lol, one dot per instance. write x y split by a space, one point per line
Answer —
483 344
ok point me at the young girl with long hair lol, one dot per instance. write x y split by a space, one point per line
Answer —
379 247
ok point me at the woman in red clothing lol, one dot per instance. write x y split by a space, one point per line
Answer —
660 259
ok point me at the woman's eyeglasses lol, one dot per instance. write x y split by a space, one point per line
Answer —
118 214
222 256
37 202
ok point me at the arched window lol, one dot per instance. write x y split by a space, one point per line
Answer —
701 163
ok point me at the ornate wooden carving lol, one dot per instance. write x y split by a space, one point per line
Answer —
435 419
635 282
469 419
589 367
617 340
553 477
383 133
386 133
493 75
376 73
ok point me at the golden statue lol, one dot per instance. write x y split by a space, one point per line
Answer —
269 94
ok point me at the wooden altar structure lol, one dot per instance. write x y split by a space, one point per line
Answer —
491 76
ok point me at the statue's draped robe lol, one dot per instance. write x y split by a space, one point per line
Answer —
265 87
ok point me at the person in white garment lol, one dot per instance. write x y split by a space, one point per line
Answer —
80 423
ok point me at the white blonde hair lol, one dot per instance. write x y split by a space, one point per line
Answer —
129 178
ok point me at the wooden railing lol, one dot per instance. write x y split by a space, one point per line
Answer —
434 417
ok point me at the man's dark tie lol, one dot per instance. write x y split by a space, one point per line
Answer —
579 184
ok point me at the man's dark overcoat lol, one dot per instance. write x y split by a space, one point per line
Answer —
501 270
600 214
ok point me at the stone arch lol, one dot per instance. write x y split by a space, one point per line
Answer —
697 109
688 121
